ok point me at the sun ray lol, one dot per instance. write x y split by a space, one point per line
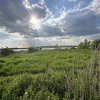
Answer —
35 22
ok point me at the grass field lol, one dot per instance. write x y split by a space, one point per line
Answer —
50 75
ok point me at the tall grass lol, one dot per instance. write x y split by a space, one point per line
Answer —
51 75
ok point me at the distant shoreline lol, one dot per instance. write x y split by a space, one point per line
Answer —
45 47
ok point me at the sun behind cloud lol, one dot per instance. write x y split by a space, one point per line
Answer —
35 22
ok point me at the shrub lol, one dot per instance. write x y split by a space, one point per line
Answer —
2 61
95 44
6 51
32 49
1 65
45 95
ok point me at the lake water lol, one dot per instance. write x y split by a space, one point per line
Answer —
20 49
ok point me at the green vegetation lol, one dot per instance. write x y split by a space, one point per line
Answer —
6 51
85 44
50 75
89 44
32 49
95 44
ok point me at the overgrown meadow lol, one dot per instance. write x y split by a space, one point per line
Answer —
51 75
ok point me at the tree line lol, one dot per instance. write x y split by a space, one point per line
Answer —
89 44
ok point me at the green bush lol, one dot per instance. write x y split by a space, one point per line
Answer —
6 51
45 95
95 44
32 49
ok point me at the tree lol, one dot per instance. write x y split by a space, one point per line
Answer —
95 44
6 51
85 44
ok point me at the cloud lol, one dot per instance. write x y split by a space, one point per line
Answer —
15 16
73 21
77 21
95 7
83 23
4 36
72 0
40 11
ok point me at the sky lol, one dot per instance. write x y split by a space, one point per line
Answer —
25 23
